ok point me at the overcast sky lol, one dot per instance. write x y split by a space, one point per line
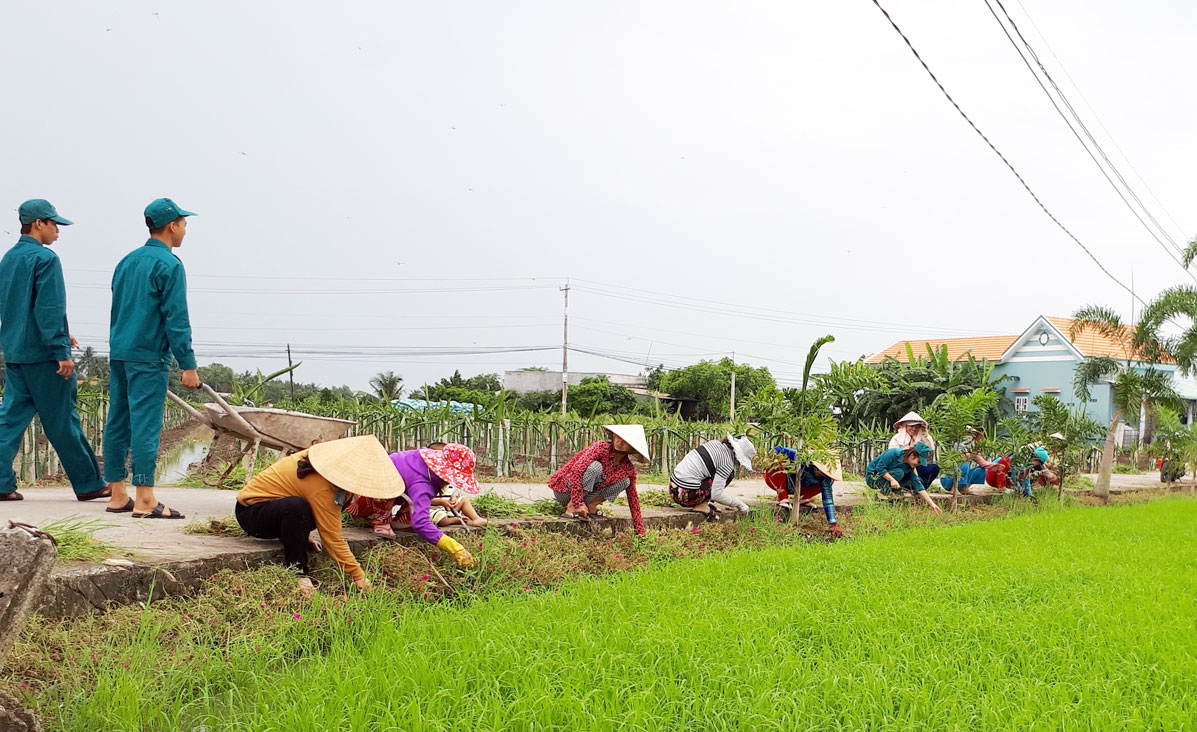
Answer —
375 176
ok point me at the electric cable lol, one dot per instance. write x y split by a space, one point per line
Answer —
1171 254
997 152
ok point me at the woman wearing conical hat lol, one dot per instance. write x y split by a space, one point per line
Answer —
807 481
305 492
600 472
911 430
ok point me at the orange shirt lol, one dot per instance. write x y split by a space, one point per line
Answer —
280 481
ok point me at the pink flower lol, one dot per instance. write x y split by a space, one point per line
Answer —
125 665
257 648
261 604
426 595
527 587
752 531
424 577
26 686
297 616
617 555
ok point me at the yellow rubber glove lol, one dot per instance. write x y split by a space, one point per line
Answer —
459 552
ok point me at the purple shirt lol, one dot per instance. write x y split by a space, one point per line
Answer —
422 486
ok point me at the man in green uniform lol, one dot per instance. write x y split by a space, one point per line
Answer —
37 348
149 328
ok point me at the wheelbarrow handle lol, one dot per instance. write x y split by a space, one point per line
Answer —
195 413
249 429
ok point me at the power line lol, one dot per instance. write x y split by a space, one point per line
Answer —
997 152
1171 254
1097 117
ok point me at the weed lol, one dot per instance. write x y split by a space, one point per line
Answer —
1127 470
76 539
226 526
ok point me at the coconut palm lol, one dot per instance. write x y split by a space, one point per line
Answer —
388 385
1131 389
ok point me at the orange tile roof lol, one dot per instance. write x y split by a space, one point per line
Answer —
1092 343
987 347
1089 342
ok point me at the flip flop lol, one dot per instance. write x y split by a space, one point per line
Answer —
104 492
14 496
575 516
159 512
127 508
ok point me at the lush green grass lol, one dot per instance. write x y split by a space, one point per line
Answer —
1074 619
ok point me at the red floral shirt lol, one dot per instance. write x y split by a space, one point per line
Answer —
616 467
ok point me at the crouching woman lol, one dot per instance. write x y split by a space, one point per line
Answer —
305 492
896 470
600 472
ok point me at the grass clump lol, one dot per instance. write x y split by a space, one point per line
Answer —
1127 470
494 506
76 539
226 526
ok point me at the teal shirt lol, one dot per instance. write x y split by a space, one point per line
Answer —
33 320
891 462
149 308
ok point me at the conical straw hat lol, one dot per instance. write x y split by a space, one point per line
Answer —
910 417
359 465
831 470
633 434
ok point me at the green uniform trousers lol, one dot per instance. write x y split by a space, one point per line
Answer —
36 388
136 397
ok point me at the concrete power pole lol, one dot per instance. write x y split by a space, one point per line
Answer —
733 387
565 350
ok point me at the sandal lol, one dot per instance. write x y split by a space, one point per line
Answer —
127 508
384 530
104 492
160 512
575 516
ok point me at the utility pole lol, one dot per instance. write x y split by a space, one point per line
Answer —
733 387
291 374
565 350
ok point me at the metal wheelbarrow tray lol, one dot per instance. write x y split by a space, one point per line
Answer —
278 429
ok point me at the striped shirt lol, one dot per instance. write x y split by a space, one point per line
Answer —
690 473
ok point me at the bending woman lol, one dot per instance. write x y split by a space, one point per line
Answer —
426 472
912 429
305 492
807 481
897 470
704 473
600 472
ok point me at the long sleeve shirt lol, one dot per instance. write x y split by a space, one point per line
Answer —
804 476
280 481
422 486
894 462
615 467
33 320
149 319
692 472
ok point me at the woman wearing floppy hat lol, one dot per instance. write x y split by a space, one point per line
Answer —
305 492
600 472
912 429
896 470
425 472
702 476
807 481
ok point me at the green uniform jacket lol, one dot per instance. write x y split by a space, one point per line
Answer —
891 462
149 308
33 321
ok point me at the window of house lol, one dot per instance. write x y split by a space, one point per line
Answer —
1020 403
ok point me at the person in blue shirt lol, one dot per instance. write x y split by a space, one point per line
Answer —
806 481
149 329
37 349
896 469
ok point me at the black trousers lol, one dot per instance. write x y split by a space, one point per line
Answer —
289 520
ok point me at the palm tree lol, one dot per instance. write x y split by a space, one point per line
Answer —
1131 389
388 385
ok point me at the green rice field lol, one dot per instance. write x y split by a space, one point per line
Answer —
1079 619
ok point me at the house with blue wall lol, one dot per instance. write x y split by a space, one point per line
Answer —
1041 360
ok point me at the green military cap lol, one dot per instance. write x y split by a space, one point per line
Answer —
162 211
40 208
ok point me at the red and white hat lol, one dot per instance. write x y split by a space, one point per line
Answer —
454 464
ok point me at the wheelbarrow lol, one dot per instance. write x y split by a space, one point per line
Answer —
278 429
